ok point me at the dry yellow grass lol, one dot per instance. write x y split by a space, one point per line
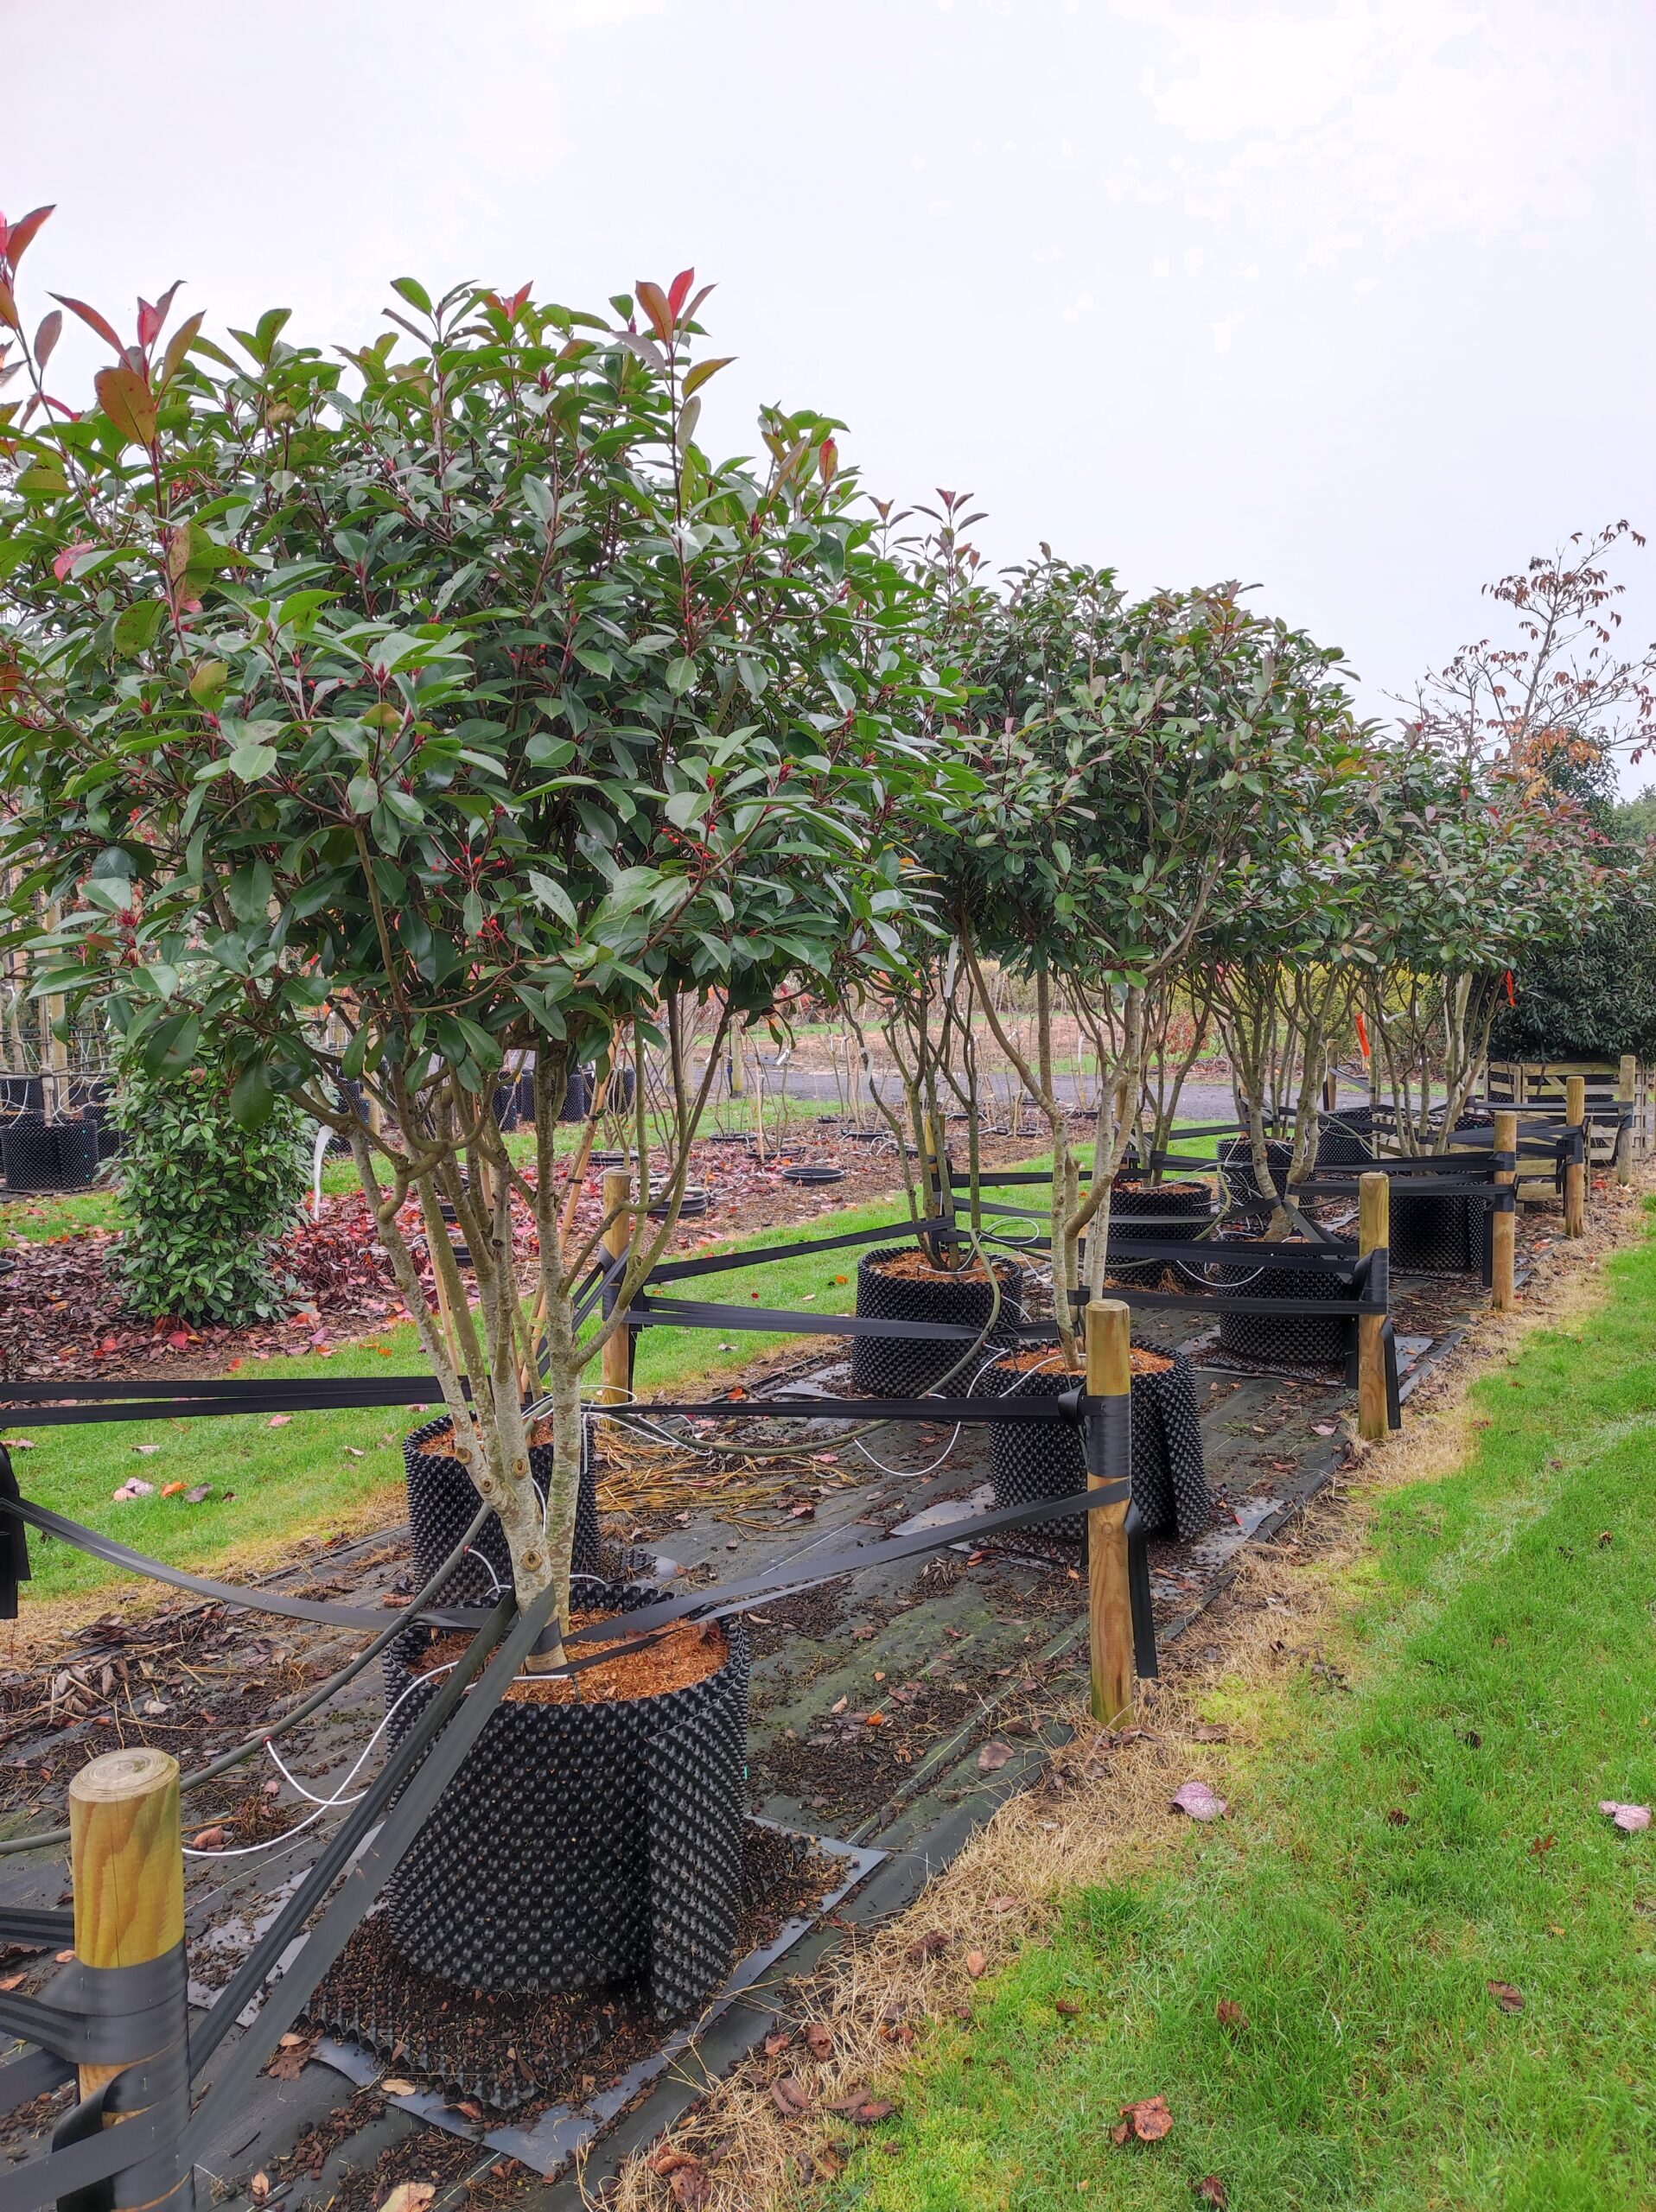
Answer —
1100 1812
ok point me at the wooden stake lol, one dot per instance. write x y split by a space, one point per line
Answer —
1373 1232
1110 1605
126 1860
1504 1226
1576 1173
617 1356
1627 1094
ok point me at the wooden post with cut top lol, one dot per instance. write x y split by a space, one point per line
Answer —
1503 1227
1626 1098
1110 1605
126 1860
617 1354
1576 1170
1373 1232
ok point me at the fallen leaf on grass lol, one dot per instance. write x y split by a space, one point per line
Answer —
129 1491
790 2096
977 1965
993 1757
1542 1845
827 2162
1230 2014
1210 2189
1069 2006
819 2039
409 2196
1148 2121
1508 1999
200 1495
857 2104
172 1490
1628 1818
1196 1799
1004 1904
690 2185
146 1449
18 1443
351 1452
281 1421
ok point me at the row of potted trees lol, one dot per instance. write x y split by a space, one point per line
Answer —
376 725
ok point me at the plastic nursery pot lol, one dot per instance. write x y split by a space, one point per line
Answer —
1347 1139
1191 1202
77 1155
1168 1474
28 1154
586 1845
1237 1175
21 1094
896 1282
1434 1233
442 1498
812 1173
1304 1338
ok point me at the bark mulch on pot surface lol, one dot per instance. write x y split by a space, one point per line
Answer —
684 1652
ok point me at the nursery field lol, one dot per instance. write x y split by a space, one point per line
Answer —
1412 1964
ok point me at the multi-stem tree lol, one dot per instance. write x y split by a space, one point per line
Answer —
375 723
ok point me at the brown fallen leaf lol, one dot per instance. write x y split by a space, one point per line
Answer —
1230 2014
827 2161
689 2182
929 1946
977 1965
819 2039
259 2188
1146 2121
777 2042
790 2096
1004 1904
1210 2189
394 2086
1508 1999
993 1757
208 1840
1069 2006
1542 1845
291 2056
468 2108
409 2196
858 2104
200 1495
1397 1818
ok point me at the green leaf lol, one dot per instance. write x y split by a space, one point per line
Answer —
171 1046
413 291
135 628
552 895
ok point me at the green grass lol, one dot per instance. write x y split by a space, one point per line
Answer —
302 1478
1398 1847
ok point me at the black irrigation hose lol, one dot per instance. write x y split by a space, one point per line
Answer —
370 1652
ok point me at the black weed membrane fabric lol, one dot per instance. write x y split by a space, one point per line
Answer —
1305 1338
583 1847
1169 1478
442 1501
1165 1207
898 1367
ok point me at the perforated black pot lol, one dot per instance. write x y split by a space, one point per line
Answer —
586 1846
1305 1338
902 1367
1170 1477
1433 1234
1130 1201
1347 1139
442 1499
28 1154
23 1094
1237 1173
77 1143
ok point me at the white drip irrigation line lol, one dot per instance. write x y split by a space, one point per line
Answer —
323 1804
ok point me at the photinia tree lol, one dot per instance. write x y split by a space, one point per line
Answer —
1134 758
370 722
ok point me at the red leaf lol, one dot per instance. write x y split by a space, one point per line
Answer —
46 337
654 301
1148 2121
91 316
679 291
1210 2189
22 232
149 324
1508 1999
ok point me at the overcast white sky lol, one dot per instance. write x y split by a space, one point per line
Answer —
1348 298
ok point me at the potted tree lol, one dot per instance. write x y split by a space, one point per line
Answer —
378 723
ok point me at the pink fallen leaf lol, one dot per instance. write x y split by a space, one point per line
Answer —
278 1421
1198 1802
1628 1818
977 1965
993 1757
1323 1428
1508 1999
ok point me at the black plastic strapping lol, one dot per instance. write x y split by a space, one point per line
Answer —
14 1542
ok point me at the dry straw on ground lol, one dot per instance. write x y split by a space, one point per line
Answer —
758 2139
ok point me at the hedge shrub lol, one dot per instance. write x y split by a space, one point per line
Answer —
206 1200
